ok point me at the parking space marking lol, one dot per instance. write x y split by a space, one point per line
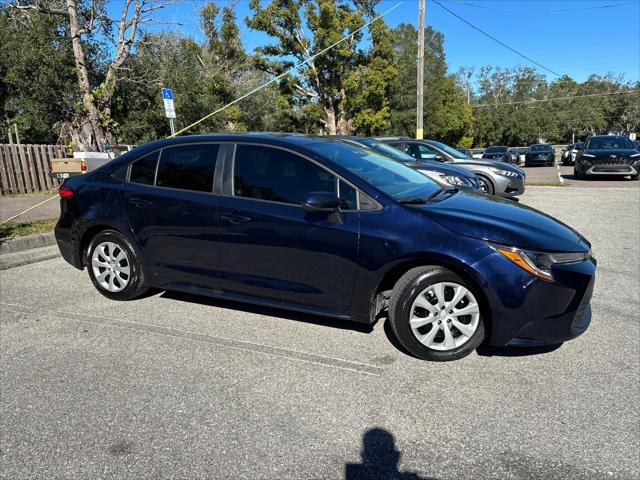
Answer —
290 354
560 177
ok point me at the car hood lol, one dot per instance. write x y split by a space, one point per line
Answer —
444 168
502 221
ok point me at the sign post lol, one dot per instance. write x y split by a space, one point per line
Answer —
169 109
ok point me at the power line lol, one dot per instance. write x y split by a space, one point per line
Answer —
278 77
552 11
494 38
541 100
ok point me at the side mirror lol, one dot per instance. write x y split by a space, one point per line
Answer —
321 202
438 158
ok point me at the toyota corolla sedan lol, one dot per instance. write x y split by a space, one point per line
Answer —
316 225
606 155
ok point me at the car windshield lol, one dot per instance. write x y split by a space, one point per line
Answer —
390 177
447 149
386 150
495 150
539 148
608 143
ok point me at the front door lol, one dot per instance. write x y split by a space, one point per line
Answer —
271 247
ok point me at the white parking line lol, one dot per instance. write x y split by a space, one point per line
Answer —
560 178
271 350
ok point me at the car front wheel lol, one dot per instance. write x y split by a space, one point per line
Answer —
114 267
435 314
485 185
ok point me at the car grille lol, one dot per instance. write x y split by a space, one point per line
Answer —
612 161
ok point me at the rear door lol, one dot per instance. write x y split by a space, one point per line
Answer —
173 213
270 246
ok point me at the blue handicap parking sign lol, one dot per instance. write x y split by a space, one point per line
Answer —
167 94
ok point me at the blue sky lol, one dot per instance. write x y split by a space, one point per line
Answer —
574 37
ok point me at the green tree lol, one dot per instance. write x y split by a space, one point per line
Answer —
344 83
37 78
447 115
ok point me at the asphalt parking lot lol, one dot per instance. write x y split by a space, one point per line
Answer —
171 386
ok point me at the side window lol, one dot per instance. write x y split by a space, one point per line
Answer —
426 153
348 196
277 175
407 148
189 167
144 170
121 174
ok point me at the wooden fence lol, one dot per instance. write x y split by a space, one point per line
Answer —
25 168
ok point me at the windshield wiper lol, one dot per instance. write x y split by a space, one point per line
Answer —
448 191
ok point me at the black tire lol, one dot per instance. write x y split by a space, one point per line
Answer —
404 293
489 189
135 286
577 173
635 177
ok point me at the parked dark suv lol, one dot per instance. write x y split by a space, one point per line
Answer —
606 155
321 226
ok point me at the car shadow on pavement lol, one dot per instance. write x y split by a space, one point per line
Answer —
269 311
380 459
483 350
491 351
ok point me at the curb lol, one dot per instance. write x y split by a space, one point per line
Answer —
26 257
20 244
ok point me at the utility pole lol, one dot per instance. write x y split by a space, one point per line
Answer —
9 132
15 125
420 80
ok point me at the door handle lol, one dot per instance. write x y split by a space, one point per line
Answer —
139 202
235 217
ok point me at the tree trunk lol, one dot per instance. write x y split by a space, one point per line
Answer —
89 135
330 123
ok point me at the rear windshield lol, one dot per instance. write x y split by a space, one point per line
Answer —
390 177
608 143
540 148
495 150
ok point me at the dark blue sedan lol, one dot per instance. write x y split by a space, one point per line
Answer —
321 226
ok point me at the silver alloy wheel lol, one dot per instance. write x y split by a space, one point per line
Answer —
484 187
111 267
444 316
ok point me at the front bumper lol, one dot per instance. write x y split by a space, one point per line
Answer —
509 186
526 310
606 169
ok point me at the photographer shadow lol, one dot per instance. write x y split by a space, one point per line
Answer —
380 459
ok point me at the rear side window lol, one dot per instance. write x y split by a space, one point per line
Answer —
144 170
188 167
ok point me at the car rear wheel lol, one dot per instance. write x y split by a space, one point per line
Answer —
435 314
114 267
485 185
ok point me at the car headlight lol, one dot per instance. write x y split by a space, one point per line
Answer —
504 173
454 180
539 264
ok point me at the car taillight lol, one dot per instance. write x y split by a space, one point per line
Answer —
83 166
65 192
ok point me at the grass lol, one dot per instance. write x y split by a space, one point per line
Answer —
547 184
20 229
